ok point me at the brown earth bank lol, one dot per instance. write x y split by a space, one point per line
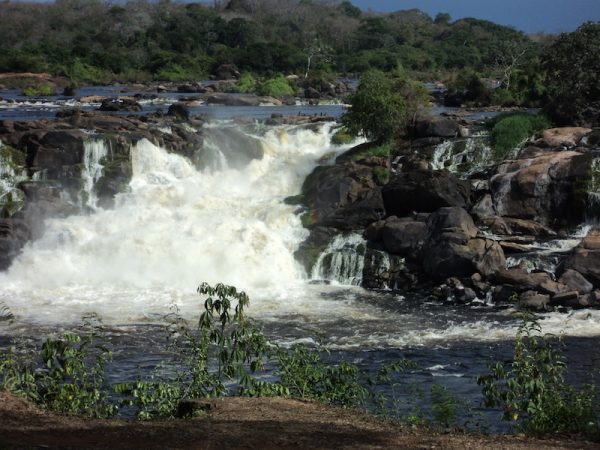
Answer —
243 423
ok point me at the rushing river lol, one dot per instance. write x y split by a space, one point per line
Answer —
177 226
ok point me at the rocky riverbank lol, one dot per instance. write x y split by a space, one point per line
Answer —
438 213
483 230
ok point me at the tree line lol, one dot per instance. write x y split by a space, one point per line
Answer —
95 40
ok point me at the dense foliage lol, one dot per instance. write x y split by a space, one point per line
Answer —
508 131
572 67
531 388
98 41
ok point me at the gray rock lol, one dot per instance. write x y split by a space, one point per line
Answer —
576 282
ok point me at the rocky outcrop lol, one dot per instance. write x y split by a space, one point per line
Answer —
424 191
343 196
585 258
454 249
548 187
566 137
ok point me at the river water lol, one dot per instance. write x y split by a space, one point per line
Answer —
178 226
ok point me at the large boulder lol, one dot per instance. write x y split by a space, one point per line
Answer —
453 248
548 187
585 258
435 126
520 280
424 191
343 196
404 236
567 137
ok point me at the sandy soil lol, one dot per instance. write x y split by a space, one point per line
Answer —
241 423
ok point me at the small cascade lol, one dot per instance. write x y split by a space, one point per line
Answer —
463 156
342 261
94 151
12 172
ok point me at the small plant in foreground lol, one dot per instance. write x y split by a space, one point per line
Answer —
531 388
67 375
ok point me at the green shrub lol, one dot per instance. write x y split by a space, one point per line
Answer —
66 375
382 150
508 131
342 137
531 389
277 86
381 175
42 90
378 111
247 84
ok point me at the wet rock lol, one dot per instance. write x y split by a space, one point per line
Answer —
344 196
121 104
511 226
522 280
308 252
424 191
179 110
585 258
566 137
452 248
576 282
535 301
484 208
435 126
403 236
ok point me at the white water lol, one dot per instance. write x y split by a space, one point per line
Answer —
177 227
462 156
93 153
342 261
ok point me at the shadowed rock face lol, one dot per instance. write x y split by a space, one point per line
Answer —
343 196
453 248
424 191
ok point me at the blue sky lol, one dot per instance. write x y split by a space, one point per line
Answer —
531 16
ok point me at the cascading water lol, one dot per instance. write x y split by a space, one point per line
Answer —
342 261
11 173
94 151
177 226
463 156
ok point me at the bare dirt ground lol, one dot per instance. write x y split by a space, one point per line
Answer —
242 423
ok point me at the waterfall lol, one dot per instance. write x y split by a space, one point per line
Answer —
94 151
174 227
463 156
342 261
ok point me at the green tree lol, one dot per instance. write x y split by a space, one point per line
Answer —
572 67
378 110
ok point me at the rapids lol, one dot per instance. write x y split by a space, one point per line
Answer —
177 226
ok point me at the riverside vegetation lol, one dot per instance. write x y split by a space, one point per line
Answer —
225 353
